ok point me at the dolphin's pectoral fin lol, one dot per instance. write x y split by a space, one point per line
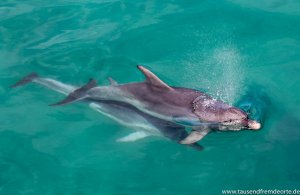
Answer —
196 146
153 80
194 136
112 81
134 136
27 79
77 94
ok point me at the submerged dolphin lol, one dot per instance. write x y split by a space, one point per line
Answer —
183 106
144 124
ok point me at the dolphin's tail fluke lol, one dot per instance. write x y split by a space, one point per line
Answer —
77 94
27 79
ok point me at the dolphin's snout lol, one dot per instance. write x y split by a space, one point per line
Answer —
254 125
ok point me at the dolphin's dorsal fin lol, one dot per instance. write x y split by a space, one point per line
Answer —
112 81
77 94
153 80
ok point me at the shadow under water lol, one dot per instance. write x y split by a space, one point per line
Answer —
256 103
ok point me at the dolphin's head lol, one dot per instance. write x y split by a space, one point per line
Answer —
236 119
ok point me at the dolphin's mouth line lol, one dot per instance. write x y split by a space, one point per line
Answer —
236 122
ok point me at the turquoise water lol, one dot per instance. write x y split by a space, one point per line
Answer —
244 52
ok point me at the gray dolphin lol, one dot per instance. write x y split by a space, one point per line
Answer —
183 106
142 123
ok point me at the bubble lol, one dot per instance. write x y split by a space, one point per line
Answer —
228 73
219 72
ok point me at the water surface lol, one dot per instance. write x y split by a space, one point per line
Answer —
245 52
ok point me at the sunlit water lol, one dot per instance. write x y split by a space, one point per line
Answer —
246 53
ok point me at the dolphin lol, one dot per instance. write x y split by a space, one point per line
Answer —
179 105
143 124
